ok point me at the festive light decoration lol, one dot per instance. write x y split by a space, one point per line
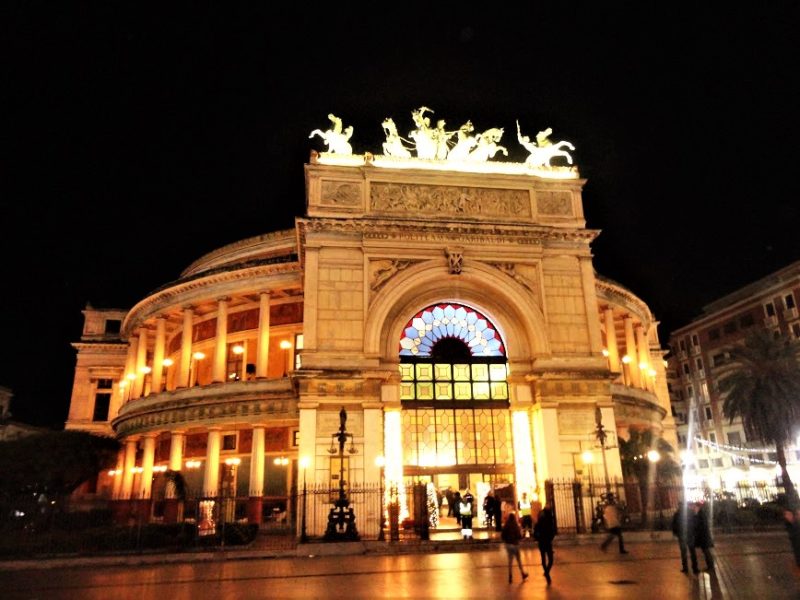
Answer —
723 449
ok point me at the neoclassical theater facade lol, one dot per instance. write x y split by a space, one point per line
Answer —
450 307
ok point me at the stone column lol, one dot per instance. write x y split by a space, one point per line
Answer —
186 348
632 353
219 368
373 440
262 346
524 470
130 359
127 471
611 342
590 304
116 492
644 358
211 475
173 512
255 503
548 442
148 457
141 363
157 375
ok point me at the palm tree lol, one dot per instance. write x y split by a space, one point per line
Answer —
638 465
763 390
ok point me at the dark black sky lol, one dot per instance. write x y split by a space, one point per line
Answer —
135 138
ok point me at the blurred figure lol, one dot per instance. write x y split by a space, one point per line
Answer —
465 509
488 509
613 520
543 532
792 522
511 536
680 529
457 507
700 537
524 506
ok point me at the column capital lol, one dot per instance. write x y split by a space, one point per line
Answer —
224 299
188 307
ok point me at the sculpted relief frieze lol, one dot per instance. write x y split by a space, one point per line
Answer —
554 203
381 271
337 193
449 200
525 275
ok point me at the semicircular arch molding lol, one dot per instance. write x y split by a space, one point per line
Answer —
510 307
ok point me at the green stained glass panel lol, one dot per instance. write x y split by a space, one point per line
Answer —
463 390
480 391
425 391
424 372
444 391
442 372
499 390
480 372
406 372
497 372
461 372
406 391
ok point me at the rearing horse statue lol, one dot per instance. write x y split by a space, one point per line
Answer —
335 138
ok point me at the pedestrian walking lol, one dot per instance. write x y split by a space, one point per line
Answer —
700 537
680 529
466 507
511 536
791 518
543 532
613 520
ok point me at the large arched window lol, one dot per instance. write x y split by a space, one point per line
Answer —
454 389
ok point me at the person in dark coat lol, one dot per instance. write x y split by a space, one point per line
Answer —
488 509
543 532
511 536
451 501
792 522
680 529
700 537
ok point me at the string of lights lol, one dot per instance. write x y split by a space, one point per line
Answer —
722 449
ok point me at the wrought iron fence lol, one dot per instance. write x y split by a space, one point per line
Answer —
578 504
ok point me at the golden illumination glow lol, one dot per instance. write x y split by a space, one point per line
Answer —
281 461
233 461
643 366
523 452
393 453
464 166
380 462
193 464
605 352
160 469
131 376
137 470
123 383
626 359
651 372
653 456
285 344
198 355
167 362
145 369
304 462
587 457
238 349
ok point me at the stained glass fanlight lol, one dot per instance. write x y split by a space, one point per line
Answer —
450 320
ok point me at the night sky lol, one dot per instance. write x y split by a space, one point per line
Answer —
136 138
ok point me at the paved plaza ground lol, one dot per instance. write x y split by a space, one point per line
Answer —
757 566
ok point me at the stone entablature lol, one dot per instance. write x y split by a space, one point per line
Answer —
616 294
227 403
401 194
236 281
268 245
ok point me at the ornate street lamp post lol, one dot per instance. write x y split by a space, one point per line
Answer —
341 519
601 435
